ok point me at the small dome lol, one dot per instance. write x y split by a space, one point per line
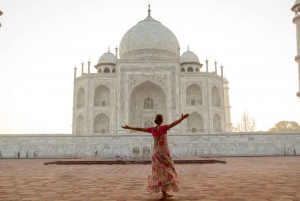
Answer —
296 4
189 57
107 58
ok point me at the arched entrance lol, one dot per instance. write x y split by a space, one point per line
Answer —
101 123
146 100
193 95
102 96
217 123
195 123
80 98
216 100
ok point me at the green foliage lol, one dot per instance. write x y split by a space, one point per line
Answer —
285 126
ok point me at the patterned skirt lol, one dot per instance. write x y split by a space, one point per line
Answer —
163 175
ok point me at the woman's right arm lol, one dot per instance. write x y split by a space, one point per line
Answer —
135 128
178 121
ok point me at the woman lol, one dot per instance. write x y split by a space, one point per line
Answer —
164 176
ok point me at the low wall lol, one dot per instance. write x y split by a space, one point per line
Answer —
228 144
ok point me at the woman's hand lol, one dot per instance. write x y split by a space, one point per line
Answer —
126 127
184 116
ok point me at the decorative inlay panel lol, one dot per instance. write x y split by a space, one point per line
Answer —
163 69
136 79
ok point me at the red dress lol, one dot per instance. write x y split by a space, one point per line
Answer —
163 175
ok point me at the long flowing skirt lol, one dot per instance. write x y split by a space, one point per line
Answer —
163 174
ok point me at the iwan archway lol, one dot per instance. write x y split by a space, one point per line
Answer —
146 100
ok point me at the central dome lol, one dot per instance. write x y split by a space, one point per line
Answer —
149 38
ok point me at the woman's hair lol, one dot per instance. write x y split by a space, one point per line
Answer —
158 119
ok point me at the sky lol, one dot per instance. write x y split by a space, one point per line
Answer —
41 41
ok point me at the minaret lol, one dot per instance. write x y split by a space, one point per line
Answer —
89 64
296 20
116 49
75 73
221 70
73 119
227 107
216 68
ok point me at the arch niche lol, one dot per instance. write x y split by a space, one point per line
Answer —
135 150
140 111
217 123
79 125
193 95
148 123
194 123
216 100
102 96
101 123
190 69
80 98
146 150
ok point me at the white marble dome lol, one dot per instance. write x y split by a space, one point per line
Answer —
149 38
107 58
189 57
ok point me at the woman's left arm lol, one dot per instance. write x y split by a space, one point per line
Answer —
135 128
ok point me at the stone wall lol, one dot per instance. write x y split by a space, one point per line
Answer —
229 144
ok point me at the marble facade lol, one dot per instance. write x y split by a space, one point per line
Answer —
225 144
150 77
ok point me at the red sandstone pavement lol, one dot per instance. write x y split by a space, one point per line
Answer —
249 178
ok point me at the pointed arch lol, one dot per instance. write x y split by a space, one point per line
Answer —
102 96
197 69
182 69
193 95
136 150
80 98
216 100
114 70
106 70
148 124
101 123
190 69
146 150
195 123
80 125
217 126
146 100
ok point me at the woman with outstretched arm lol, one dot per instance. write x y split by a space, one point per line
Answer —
163 176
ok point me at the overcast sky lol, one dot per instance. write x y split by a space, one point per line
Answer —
41 41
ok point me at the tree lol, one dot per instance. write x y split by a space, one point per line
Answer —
285 126
247 123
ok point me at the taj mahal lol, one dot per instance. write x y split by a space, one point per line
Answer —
150 77
150 74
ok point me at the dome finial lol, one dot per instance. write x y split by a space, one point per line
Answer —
149 11
108 48
188 48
